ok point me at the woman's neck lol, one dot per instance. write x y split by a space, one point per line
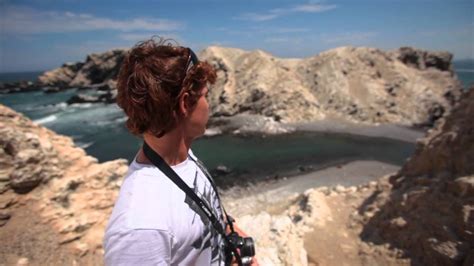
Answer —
173 147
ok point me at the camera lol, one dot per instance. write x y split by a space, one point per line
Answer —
245 245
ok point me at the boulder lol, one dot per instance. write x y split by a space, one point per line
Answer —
83 98
60 76
423 59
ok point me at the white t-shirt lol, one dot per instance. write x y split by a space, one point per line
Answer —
154 223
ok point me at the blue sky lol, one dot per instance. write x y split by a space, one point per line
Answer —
43 34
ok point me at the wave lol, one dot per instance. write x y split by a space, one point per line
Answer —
60 105
48 107
82 105
84 145
45 120
116 121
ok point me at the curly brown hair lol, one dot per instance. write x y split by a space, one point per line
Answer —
151 79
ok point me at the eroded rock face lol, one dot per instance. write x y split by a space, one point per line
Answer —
449 147
57 182
428 207
97 69
423 60
25 159
407 86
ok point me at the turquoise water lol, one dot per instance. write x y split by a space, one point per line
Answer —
257 157
466 77
99 129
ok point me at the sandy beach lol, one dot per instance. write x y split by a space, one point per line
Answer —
334 125
272 195
257 124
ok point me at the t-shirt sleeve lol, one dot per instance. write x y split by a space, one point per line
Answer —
139 247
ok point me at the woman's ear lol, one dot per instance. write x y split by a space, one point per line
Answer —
183 104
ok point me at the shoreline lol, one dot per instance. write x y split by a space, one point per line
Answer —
245 124
349 174
390 131
273 195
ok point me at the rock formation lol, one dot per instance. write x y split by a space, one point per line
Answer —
97 69
427 209
49 185
55 201
406 86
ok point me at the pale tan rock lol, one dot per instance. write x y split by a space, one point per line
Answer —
277 239
427 208
360 84
81 249
23 261
407 86
73 193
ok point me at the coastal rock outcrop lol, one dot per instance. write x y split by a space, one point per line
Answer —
407 86
427 209
96 69
52 195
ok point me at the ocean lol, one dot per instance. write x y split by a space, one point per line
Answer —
100 130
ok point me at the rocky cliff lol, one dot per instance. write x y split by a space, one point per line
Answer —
97 69
427 209
54 199
406 86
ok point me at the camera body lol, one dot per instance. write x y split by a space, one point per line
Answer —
245 245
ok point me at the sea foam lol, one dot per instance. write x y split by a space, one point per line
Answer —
47 119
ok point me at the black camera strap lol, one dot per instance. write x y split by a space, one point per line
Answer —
156 159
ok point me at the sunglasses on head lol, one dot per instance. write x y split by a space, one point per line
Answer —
192 60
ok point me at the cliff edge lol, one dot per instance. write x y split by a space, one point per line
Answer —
427 209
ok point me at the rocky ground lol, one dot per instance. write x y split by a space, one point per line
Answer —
421 215
429 212
318 227
54 199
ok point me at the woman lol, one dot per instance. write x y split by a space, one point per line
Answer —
162 89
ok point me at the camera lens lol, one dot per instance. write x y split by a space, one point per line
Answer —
247 248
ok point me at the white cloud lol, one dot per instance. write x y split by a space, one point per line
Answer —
291 30
258 17
313 8
25 20
279 12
